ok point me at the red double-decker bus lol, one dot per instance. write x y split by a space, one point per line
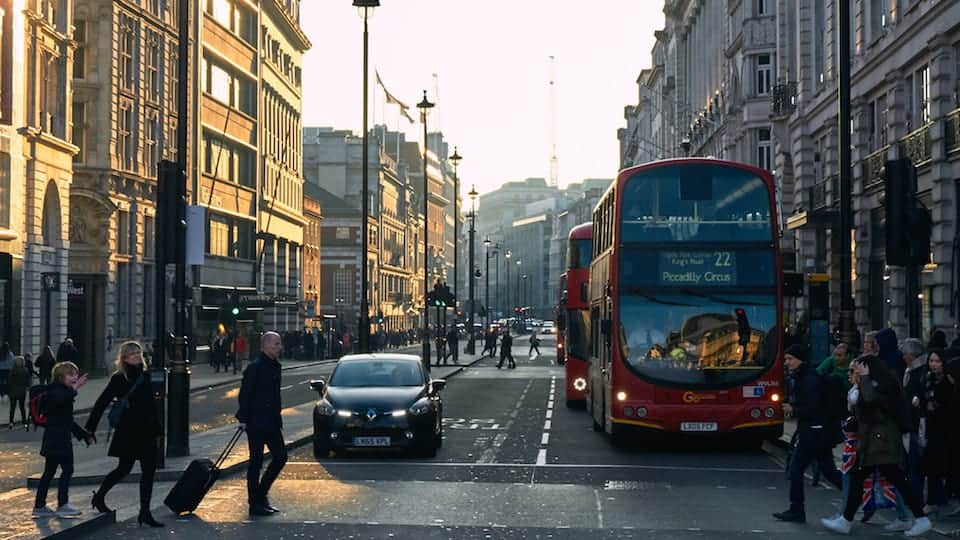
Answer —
686 302
579 255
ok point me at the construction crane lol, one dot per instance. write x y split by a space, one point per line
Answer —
554 165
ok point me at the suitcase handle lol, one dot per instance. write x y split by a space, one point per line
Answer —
226 451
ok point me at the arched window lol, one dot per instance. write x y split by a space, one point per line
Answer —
51 226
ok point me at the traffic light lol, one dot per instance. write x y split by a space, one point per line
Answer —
171 212
908 223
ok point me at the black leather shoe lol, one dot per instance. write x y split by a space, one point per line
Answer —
792 515
266 504
259 510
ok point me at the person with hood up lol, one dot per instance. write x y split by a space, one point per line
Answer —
890 353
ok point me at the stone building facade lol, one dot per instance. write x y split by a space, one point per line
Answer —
773 103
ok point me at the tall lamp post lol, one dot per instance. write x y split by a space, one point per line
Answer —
473 229
506 297
365 8
524 298
425 107
486 286
455 158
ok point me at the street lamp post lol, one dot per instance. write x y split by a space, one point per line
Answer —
516 298
473 229
523 297
455 158
506 301
425 107
365 7
486 286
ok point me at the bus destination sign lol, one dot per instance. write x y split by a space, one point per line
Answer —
709 268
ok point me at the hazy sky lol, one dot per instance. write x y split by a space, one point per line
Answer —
491 60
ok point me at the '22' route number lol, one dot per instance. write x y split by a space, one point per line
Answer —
471 423
723 258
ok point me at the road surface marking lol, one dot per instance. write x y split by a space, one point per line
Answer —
542 457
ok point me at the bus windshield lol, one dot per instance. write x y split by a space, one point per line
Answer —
696 202
578 334
579 253
694 340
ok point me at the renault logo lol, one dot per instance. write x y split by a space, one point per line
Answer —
371 414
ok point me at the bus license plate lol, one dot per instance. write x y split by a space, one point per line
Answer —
698 426
371 441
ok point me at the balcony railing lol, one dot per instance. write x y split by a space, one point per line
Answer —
952 131
873 167
825 193
916 145
784 99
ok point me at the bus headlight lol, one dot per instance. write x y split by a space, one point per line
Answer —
621 396
775 398
579 384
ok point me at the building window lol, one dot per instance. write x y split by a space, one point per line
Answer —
228 161
764 149
172 77
154 48
764 74
762 8
233 17
343 233
50 119
343 287
125 239
80 53
922 79
149 237
878 18
218 236
124 320
878 123
4 189
229 89
819 41
125 135
126 70
151 137
229 237
79 128
149 295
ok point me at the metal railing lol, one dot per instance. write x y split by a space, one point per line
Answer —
952 131
916 145
825 193
873 167
784 98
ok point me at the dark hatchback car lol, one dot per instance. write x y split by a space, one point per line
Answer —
378 401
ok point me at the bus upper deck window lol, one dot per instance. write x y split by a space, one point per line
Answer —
696 184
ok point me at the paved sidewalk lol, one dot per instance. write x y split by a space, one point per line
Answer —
298 430
202 377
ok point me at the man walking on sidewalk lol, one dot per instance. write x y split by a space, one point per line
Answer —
814 443
259 415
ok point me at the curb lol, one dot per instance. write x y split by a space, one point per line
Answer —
80 529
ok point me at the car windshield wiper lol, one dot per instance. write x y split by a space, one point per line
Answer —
654 299
717 299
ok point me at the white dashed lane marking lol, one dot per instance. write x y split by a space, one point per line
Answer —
545 437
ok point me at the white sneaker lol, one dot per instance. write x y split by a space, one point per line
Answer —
920 526
42 512
838 524
68 511
897 525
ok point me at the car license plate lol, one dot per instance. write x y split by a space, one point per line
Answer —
371 441
698 426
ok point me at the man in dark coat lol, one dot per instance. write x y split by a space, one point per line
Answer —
67 352
890 352
814 441
453 345
259 415
506 350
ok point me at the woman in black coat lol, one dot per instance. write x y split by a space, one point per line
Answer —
135 438
940 393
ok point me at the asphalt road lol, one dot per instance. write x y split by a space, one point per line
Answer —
516 463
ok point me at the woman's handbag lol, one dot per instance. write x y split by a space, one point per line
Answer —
122 404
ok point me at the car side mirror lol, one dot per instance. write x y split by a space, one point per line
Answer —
318 385
436 385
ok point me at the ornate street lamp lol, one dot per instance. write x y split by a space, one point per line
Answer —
425 107
506 297
455 158
486 286
473 229
365 8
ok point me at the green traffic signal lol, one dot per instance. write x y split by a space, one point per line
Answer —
235 311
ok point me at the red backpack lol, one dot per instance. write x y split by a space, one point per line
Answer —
38 394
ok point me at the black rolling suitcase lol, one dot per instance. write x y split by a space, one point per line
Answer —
197 480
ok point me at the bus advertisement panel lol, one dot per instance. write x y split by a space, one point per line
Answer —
686 301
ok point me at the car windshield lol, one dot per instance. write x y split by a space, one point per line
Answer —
360 373
698 340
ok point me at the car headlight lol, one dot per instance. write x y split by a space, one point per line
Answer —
421 407
344 413
324 408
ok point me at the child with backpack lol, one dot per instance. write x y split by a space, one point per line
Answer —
56 405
